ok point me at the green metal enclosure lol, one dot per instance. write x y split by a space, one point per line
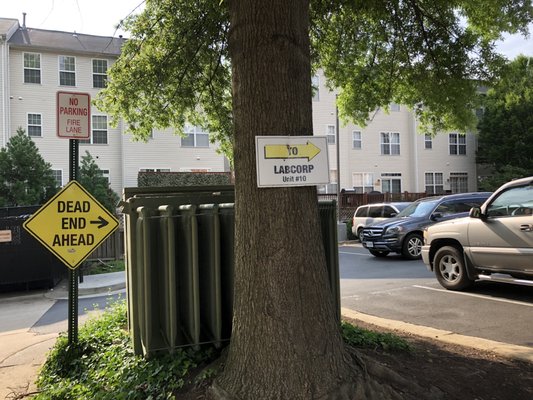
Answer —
179 257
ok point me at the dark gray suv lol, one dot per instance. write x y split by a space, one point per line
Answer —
403 233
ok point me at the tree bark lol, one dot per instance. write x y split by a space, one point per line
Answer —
286 342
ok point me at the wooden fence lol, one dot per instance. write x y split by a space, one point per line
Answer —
349 201
111 249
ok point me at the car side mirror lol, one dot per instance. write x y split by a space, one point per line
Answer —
393 214
436 216
475 212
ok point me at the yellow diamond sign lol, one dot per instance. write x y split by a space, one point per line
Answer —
72 224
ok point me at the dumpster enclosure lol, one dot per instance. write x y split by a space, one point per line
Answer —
179 256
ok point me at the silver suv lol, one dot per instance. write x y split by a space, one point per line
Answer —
494 243
371 213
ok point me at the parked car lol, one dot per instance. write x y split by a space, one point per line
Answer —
494 243
403 233
371 213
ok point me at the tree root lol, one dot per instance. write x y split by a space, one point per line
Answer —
377 382
373 381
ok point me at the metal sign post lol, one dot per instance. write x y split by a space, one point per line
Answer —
72 223
74 147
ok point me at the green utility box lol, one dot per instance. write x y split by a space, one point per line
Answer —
179 256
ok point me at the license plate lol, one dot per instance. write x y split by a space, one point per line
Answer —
369 244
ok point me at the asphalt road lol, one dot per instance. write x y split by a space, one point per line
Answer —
404 290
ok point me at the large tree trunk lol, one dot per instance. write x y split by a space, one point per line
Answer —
286 342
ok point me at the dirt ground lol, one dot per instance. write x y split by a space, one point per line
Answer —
458 373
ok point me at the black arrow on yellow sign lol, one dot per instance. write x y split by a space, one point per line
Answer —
286 151
101 222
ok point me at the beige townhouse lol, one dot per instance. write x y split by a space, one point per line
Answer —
387 155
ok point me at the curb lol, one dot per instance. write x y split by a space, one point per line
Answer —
521 353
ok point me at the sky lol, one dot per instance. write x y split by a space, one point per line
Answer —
101 17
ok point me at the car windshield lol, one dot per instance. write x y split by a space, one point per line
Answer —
419 209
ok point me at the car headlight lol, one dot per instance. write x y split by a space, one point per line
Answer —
394 230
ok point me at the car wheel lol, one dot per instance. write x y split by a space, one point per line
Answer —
360 235
379 253
412 246
450 269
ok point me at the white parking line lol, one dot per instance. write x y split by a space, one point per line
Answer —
353 254
521 303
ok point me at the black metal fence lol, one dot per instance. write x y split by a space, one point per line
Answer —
24 262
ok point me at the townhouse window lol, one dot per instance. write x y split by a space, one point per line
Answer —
32 68
67 71
315 83
390 143
195 136
459 182
99 73
330 134
356 140
363 182
393 107
434 182
391 182
428 142
105 175
58 176
457 144
35 127
329 188
154 170
98 131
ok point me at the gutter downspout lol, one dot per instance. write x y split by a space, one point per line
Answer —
415 141
5 96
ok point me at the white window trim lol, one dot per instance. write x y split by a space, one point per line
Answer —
394 107
91 135
59 70
334 135
193 129
434 184
28 124
40 69
428 139
316 94
457 144
154 170
360 140
98 73
390 144
62 175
